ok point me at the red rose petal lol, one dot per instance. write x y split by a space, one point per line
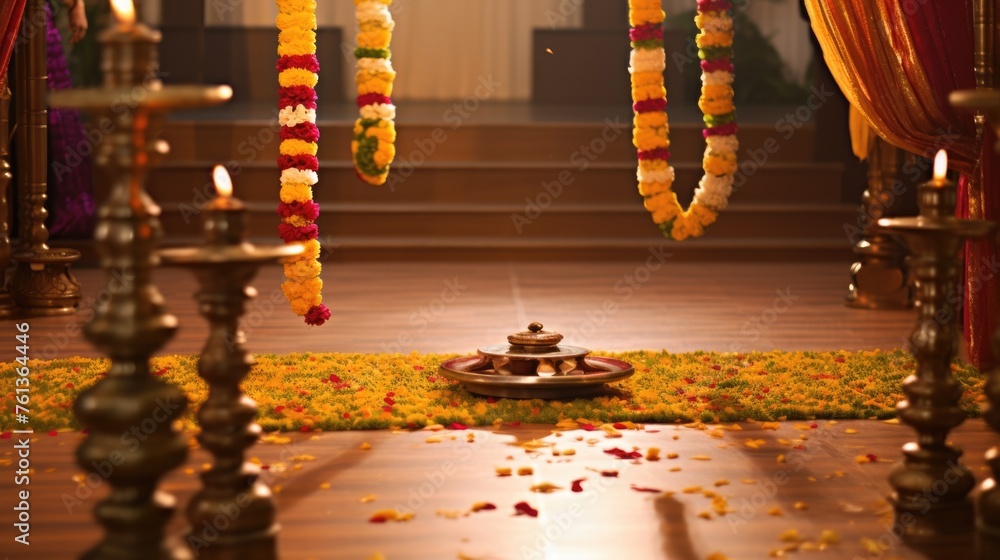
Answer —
278 409
431 378
305 429
491 400
485 507
70 386
53 433
347 415
387 408
645 489
377 519
610 474
298 409
418 368
76 369
389 401
872 458
390 394
513 424
814 425
335 379
620 426
716 367
622 454
457 426
577 485
587 427
161 371
839 359
5 435
523 508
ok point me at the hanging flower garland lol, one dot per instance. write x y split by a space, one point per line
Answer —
298 73
651 129
373 147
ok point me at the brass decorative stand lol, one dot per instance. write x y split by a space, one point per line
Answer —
988 506
130 413
224 268
42 283
879 279
931 486
6 179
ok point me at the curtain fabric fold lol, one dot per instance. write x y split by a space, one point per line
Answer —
11 12
896 62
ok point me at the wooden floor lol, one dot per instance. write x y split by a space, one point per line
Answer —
455 307
321 479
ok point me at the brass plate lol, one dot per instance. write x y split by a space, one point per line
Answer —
561 352
608 370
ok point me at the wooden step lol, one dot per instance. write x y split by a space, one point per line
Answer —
599 222
489 249
455 140
188 182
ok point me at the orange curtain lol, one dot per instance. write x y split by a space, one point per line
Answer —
896 62
871 53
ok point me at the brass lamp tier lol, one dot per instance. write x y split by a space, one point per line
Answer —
227 422
132 324
923 510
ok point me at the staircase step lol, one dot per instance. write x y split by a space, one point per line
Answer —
500 183
490 249
455 140
598 222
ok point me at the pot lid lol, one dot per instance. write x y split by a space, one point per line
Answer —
534 338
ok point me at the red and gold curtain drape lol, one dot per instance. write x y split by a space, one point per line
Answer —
10 19
897 61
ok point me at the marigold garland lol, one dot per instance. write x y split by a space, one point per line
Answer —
651 134
373 147
298 73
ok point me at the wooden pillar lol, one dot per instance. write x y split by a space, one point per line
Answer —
42 283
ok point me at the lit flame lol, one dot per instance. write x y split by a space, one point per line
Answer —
223 184
940 165
124 11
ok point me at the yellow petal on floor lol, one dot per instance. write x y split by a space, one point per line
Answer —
692 490
365 446
672 455
653 454
545 488
850 431
368 499
433 439
705 515
775 511
721 482
829 536
568 452
770 426
801 506
324 486
717 556
503 471
701 458
525 471
754 443
791 535
891 421
781 458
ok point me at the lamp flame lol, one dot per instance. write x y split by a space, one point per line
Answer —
124 11
940 165
223 183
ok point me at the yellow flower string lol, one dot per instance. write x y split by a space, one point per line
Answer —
651 134
373 147
298 73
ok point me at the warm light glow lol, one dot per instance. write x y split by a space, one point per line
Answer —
124 11
223 184
940 165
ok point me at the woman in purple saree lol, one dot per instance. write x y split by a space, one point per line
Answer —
71 203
